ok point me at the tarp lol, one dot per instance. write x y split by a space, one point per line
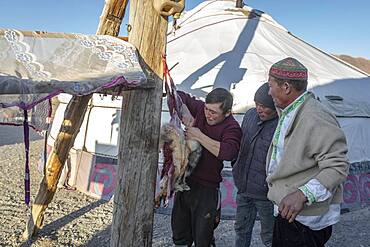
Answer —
35 66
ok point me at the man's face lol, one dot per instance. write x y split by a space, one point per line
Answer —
214 114
264 112
278 93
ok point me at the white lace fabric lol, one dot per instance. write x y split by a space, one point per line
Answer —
35 66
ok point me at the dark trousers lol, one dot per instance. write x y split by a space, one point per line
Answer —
194 215
297 235
245 217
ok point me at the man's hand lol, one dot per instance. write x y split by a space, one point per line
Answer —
193 133
187 120
291 205
186 117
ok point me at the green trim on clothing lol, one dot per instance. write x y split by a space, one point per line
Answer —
299 101
309 195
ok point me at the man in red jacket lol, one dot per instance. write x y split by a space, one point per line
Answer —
213 126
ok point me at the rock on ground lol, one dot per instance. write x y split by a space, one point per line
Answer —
74 219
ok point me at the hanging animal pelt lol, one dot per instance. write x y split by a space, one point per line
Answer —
180 158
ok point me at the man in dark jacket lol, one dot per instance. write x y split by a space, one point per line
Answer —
249 170
212 124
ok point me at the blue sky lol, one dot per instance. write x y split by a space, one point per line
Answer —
336 26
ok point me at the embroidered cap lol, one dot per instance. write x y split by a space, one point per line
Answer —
290 69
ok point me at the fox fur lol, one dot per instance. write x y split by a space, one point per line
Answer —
185 155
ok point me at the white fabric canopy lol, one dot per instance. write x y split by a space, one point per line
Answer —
73 63
35 66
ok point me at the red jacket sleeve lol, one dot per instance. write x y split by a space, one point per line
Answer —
230 143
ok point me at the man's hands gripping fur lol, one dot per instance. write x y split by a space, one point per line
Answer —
185 156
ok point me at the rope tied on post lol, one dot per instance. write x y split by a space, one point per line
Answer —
174 104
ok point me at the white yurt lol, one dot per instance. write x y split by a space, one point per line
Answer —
218 45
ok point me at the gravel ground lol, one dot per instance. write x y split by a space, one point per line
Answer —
74 219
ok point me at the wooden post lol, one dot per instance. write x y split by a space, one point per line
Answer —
110 22
112 16
133 211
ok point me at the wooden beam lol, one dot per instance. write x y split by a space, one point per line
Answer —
44 34
12 86
111 17
133 211
73 118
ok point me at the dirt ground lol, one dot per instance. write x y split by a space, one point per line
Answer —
74 219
